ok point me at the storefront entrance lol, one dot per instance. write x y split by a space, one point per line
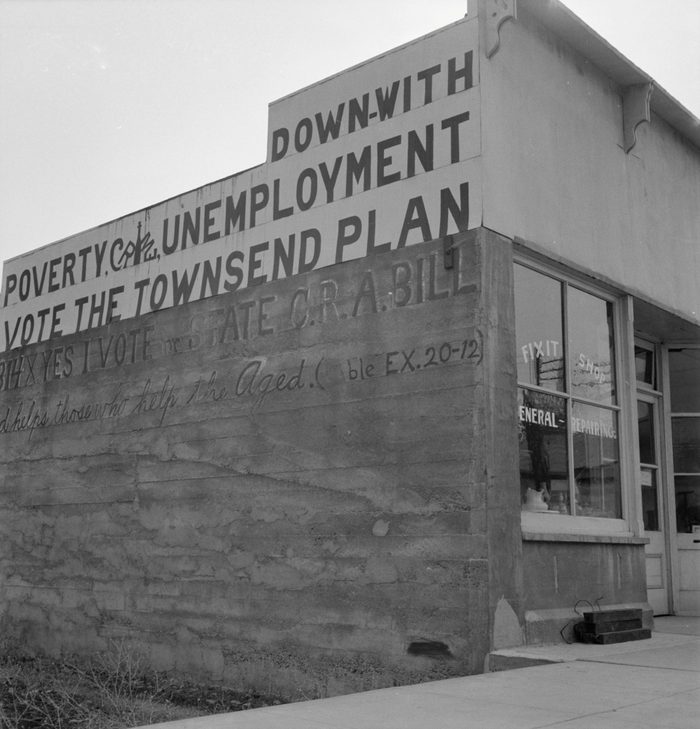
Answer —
668 420
651 481
667 365
652 477
683 425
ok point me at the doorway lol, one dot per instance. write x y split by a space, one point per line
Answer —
683 435
652 477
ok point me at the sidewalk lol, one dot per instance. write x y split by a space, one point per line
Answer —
644 684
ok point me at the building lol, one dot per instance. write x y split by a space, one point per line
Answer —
422 385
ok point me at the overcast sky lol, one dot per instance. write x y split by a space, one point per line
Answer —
109 106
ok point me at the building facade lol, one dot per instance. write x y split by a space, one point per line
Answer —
420 386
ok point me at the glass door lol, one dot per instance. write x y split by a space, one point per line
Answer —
684 388
651 478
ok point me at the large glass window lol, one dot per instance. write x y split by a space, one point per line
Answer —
590 339
684 375
540 335
567 398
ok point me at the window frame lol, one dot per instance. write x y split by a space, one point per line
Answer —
551 526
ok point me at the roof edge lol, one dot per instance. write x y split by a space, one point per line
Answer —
554 15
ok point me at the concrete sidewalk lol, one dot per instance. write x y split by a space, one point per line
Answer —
646 684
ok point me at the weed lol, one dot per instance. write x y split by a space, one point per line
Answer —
112 691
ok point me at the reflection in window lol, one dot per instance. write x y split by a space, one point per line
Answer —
686 444
596 461
645 366
544 463
648 471
684 371
684 374
591 347
645 420
687 503
650 499
538 323
569 446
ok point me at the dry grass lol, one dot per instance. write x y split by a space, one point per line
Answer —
113 691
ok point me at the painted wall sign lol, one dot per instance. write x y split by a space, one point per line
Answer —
381 157
46 385
319 432
258 314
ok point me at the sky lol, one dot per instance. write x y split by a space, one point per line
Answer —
110 106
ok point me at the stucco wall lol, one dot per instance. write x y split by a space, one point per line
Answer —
290 484
556 174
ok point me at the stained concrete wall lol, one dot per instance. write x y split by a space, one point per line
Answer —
563 579
294 485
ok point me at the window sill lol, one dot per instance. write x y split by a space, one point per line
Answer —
584 538
549 527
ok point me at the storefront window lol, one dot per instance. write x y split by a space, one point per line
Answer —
540 335
686 444
569 445
687 503
596 461
684 375
591 347
544 461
